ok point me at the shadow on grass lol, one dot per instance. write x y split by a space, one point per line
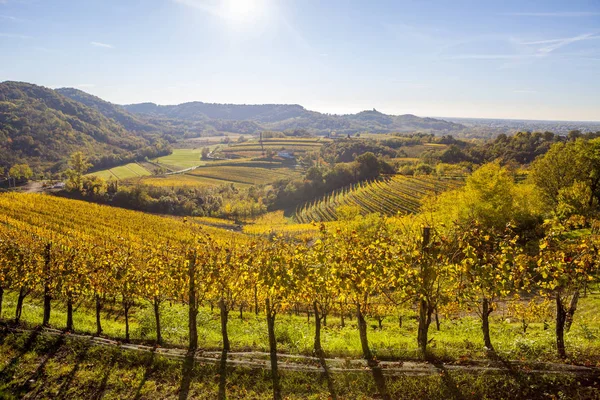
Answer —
186 376
147 373
453 390
25 387
379 380
223 376
328 377
62 392
6 374
105 376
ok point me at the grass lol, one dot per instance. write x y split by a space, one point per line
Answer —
457 339
131 170
44 367
182 158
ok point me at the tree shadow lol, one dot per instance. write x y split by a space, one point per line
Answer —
510 369
8 371
379 379
186 376
105 375
69 379
454 391
223 376
147 373
25 387
328 377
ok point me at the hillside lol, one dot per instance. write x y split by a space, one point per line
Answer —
292 116
127 120
42 127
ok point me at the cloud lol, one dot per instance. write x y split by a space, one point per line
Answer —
560 14
104 45
14 36
491 56
554 44
10 18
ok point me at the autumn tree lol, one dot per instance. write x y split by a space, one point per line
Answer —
78 166
564 267
279 262
489 269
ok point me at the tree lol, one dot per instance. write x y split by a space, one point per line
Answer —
205 153
279 263
489 269
20 172
564 268
568 163
79 165
491 197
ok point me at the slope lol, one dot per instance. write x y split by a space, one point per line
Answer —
41 127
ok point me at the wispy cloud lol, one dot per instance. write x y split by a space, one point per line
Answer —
14 36
554 44
10 18
560 14
104 45
530 49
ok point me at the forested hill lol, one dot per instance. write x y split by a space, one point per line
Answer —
293 116
41 127
128 120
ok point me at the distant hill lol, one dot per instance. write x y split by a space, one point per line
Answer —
293 116
42 127
116 112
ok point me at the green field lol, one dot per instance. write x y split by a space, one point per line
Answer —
131 170
182 159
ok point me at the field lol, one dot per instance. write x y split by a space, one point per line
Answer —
182 159
242 174
131 170
399 194
186 180
292 145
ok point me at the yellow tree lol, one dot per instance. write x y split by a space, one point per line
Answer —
490 268
321 284
564 268
279 263
363 255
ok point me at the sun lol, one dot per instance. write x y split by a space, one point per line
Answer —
243 10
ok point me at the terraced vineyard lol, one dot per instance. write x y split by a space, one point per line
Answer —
244 175
398 194
278 144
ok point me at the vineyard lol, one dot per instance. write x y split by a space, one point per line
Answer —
84 258
390 196
290 144
242 174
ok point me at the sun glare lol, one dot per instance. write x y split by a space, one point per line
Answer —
243 10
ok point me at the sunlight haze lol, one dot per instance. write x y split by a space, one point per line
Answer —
534 60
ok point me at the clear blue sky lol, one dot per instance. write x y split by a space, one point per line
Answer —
504 59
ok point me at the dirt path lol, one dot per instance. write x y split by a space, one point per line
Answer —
33 187
260 360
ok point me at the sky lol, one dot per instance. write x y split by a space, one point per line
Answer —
455 58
